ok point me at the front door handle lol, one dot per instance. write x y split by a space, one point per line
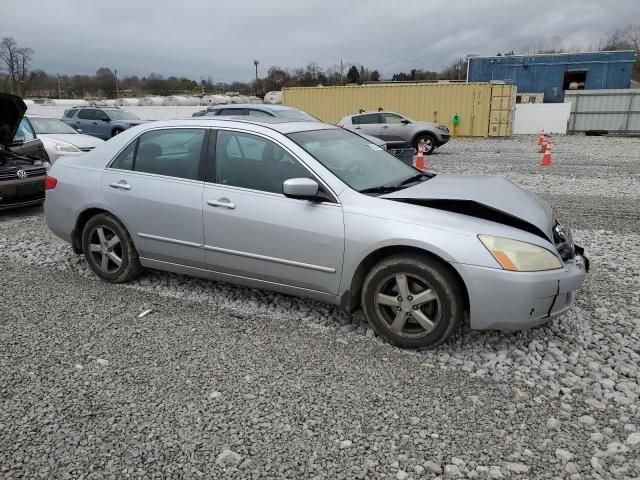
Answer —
121 185
222 202
356 128
385 126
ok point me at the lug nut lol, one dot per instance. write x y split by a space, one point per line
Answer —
415 307
409 298
399 298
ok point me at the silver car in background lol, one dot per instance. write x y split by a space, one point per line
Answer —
308 209
397 130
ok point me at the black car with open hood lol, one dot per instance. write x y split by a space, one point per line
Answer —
22 170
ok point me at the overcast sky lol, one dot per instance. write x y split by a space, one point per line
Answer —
220 39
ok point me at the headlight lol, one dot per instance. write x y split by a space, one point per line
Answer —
65 147
520 256
442 127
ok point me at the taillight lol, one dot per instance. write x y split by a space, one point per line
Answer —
50 182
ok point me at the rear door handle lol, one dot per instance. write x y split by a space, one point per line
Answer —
222 202
122 185
356 128
385 126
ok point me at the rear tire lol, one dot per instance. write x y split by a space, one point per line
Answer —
109 249
428 143
412 301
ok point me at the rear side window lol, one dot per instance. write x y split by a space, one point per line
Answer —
233 111
87 114
170 152
70 113
367 119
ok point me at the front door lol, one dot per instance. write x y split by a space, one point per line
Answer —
252 230
392 130
154 187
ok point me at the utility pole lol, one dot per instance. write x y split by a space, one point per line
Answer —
341 71
59 89
115 74
256 62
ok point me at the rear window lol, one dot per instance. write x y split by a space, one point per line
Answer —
366 119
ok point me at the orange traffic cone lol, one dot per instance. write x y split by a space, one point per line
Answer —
546 158
541 138
543 145
419 163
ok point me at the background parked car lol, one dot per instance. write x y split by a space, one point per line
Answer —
101 122
58 138
26 142
21 174
397 130
281 111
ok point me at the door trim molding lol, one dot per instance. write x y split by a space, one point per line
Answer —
255 256
175 241
265 258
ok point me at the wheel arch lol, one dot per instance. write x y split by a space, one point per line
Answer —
81 221
424 132
351 298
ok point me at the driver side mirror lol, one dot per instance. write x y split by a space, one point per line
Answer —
105 119
301 188
404 121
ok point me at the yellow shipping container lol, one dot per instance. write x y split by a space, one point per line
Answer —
484 109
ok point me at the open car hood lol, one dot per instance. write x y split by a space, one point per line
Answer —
490 198
12 110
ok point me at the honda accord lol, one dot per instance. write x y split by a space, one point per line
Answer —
309 209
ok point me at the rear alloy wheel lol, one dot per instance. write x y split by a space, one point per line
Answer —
412 302
428 144
109 250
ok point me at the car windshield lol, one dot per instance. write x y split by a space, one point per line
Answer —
50 125
363 166
121 115
293 114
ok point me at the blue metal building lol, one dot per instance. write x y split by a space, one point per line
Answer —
554 73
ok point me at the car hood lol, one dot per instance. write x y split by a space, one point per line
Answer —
77 139
491 198
12 110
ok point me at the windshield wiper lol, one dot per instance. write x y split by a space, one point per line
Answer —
414 178
381 189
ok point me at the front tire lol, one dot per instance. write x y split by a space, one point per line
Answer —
109 249
428 143
412 301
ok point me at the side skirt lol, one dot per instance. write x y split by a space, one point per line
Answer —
239 280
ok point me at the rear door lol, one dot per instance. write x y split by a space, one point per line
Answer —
368 123
102 124
252 230
393 131
155 187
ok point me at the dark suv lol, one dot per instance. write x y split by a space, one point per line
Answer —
101 122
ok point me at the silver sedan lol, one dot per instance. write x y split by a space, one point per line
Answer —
312 210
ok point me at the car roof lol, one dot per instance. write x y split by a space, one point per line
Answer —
253 105
279 124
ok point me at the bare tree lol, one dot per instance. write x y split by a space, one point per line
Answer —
17 60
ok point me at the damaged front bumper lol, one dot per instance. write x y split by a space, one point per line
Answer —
505 300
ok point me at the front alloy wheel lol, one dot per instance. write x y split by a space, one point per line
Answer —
413 300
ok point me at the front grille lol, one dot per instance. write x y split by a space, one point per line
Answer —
30 171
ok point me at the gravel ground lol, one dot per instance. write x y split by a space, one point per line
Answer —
224 381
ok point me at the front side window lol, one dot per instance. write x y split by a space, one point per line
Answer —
70 113
119 115
100 115
249 161
354 160
170 152
87 114
391 118
24 132
259 113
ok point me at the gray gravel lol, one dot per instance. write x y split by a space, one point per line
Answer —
222 380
